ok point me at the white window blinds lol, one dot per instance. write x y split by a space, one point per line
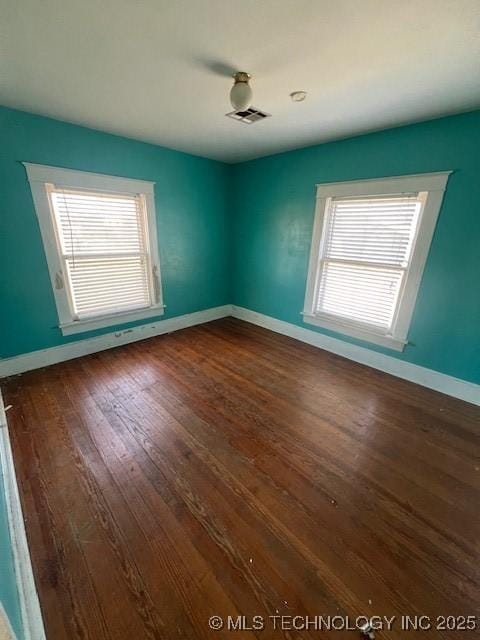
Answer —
103 244
364 256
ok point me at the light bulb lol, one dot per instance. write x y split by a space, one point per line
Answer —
241 92
298 96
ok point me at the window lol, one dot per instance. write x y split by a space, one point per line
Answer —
370 244
100 240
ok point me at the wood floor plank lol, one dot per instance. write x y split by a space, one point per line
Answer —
228 470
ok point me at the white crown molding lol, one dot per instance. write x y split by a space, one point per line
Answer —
441 382
45 357
32 622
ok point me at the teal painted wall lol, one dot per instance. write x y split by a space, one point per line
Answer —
273 212
8 589
192 217
242 234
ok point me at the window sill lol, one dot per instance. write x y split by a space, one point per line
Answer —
355 332
100 322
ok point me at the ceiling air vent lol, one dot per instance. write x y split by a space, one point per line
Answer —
249 116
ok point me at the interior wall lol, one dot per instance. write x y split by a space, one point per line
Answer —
8 587
192 219
273 212
242 233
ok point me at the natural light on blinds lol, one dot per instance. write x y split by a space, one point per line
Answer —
104 248
366 249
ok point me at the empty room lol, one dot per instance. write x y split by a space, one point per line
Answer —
239 319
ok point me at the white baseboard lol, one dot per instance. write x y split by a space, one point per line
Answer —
45 357
29 606
449 385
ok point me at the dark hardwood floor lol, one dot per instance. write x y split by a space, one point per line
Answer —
227 470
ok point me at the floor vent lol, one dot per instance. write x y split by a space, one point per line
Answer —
249 116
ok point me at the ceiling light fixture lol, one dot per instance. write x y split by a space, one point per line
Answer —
298 96
241 92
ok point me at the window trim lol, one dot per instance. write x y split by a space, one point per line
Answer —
432 183
39 176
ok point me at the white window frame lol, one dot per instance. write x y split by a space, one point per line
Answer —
432 183
39 176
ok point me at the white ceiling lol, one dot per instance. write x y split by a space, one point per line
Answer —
157 70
